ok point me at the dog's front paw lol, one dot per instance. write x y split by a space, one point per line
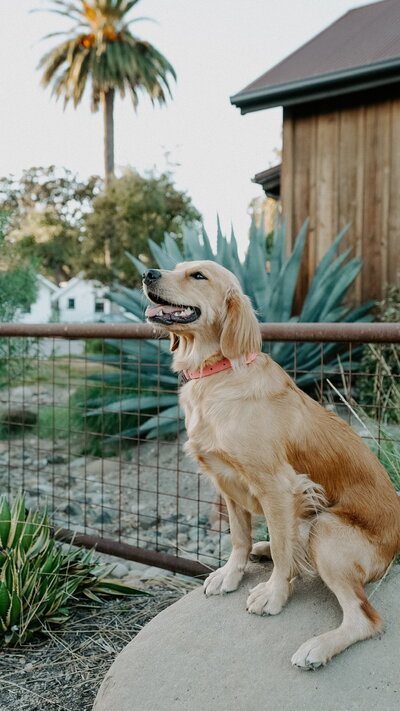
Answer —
223 580
267 599
312 654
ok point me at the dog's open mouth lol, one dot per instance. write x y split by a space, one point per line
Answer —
167 313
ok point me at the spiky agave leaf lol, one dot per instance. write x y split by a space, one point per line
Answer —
272 294
39 579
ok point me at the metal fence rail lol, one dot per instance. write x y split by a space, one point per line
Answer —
78 402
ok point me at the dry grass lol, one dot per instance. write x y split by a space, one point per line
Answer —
62 672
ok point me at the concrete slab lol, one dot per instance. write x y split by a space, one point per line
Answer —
209 653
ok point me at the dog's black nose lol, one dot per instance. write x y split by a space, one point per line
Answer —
151 276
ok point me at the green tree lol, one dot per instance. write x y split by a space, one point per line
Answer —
18 289
132 210
18 281
101 50
46 207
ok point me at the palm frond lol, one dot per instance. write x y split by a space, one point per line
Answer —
100 50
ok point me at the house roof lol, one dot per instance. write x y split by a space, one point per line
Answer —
69 285
75 281
48 283
360 51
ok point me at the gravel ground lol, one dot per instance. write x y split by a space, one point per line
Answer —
62 671
151 496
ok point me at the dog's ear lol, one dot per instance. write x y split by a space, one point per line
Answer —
240 332
174 342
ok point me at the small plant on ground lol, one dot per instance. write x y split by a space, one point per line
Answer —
383 440
378 386
40 579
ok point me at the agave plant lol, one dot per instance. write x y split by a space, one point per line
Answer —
270 282
39 578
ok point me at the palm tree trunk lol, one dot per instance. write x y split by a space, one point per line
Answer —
108 109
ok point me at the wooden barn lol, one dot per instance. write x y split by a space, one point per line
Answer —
340 94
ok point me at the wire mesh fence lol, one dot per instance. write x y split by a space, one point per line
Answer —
90 426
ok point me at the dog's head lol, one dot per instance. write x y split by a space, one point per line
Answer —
202 304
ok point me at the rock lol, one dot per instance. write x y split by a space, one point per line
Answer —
79 463
150 536
120 570
57 459
15 418
153 572
169 530
142 508
41 463
71 509
103 517
102 467
205 549
82 497
191 547
192 520
175 517
196 534
226 546
148 521
41 490
207 653
184 528
97 498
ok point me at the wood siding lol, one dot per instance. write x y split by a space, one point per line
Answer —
342 167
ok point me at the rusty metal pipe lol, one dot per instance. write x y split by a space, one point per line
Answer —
82 330
300 332
331 332
184 566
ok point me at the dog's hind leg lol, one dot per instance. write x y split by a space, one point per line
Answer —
227 578
345 561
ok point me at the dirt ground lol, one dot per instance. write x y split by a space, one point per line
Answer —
63 670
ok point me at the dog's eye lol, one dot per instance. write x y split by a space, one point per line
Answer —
198 275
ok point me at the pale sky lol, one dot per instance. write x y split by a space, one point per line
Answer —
216 46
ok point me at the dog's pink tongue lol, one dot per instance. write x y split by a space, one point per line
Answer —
152 311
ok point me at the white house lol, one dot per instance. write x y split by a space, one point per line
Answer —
41 311
81 300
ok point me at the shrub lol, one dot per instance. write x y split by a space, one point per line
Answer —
40 579
271 287
378 387
18 289
90 416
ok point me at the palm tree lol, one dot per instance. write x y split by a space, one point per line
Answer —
100 50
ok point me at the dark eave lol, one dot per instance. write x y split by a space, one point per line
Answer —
270 181
345 81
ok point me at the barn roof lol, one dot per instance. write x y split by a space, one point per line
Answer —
360 51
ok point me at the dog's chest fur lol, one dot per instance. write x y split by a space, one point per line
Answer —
211 424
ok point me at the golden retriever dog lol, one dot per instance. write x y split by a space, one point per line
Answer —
269 448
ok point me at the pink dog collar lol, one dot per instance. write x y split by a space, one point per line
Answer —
217 367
